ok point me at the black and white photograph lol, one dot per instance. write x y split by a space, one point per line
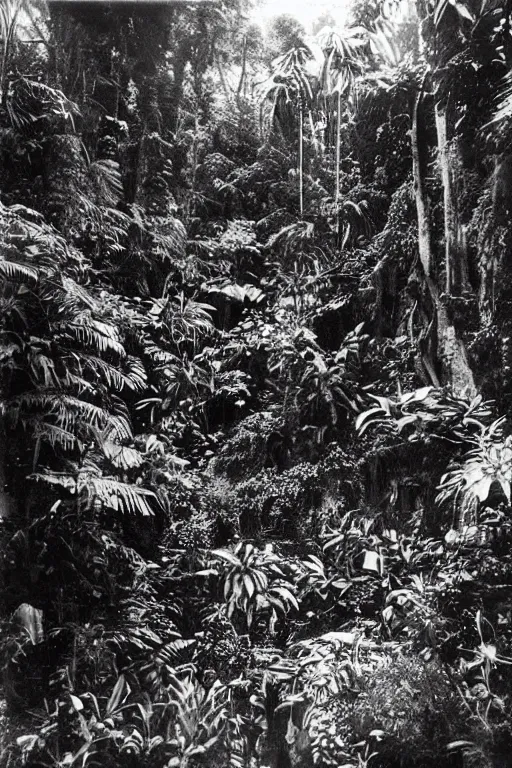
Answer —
256 384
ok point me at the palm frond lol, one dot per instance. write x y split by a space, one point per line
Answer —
96 335
503 101
29 101
289 81
121 497
342 63
67 411
122 456
105 178
55 436
14 271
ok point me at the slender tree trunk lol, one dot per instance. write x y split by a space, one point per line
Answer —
450 219
338 147
506 33
338 162
8 42
241 84
456 267
422 208
313 133
225 88
301 162
182 57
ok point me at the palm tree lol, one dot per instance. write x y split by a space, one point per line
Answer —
289 86
341 66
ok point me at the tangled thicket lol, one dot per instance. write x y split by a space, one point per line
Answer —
255 377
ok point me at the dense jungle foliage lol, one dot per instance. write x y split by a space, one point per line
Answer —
256 371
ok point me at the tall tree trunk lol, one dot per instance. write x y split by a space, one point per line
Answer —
450 222
314 138
338 162
338 147
181 60
240 91
225 88
301 162
9 37
450 348
456 267
422 208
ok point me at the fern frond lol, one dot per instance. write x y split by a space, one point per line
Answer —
61 479
73 382
135 374
29 101
292 235
118 429
42 367
23 229
76 297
